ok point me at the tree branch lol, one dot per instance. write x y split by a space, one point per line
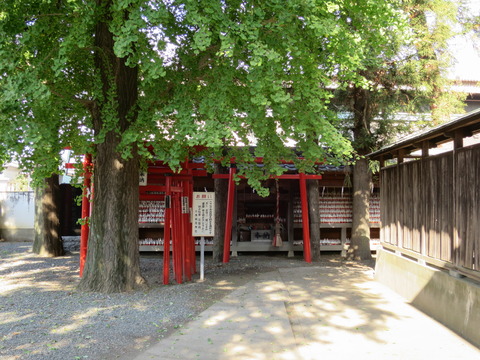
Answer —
88 104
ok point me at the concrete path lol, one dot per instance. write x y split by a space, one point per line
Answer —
312 313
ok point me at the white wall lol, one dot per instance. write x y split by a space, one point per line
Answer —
17 211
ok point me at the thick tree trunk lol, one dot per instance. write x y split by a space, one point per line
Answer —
364 108
221 190
314 215
48 241
360 242
113 259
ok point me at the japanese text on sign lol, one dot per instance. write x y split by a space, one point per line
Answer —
203 214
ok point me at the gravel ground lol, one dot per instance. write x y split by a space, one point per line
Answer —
43 316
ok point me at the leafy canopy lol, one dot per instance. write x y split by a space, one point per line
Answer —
403 77
210 73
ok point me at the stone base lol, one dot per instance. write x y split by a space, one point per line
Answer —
71 243
17 235
451 300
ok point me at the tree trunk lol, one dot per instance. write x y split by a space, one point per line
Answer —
48 241
221 190
360 242
113 259
314 215
364 108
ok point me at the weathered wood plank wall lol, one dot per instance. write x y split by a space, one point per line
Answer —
467 208
432 206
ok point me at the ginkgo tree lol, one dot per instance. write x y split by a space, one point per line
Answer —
406 76
106 76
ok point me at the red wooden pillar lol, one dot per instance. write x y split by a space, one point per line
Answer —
229 217
174 235
166 230
87 175
177 243
307 255
187 238
180 242
193 268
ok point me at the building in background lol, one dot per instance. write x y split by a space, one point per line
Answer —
17 205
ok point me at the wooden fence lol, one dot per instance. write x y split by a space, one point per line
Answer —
430 209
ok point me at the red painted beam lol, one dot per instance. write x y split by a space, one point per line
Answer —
229 217
153 197
281 177
185 165
165 170
259 160
160 188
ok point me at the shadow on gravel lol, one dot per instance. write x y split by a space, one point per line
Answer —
42 316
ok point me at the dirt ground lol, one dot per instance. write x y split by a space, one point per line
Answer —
43 316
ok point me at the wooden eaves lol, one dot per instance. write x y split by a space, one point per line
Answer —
455 130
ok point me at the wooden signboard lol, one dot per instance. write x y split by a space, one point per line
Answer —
203 214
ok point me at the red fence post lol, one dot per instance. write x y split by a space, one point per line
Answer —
184 241
307 255
87 175
177 238
190 230
166 231
187 229
228 220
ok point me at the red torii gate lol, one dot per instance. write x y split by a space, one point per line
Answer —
307 254
177 192
177 223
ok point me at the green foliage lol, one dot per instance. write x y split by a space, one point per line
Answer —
21 183
403 76
210 73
